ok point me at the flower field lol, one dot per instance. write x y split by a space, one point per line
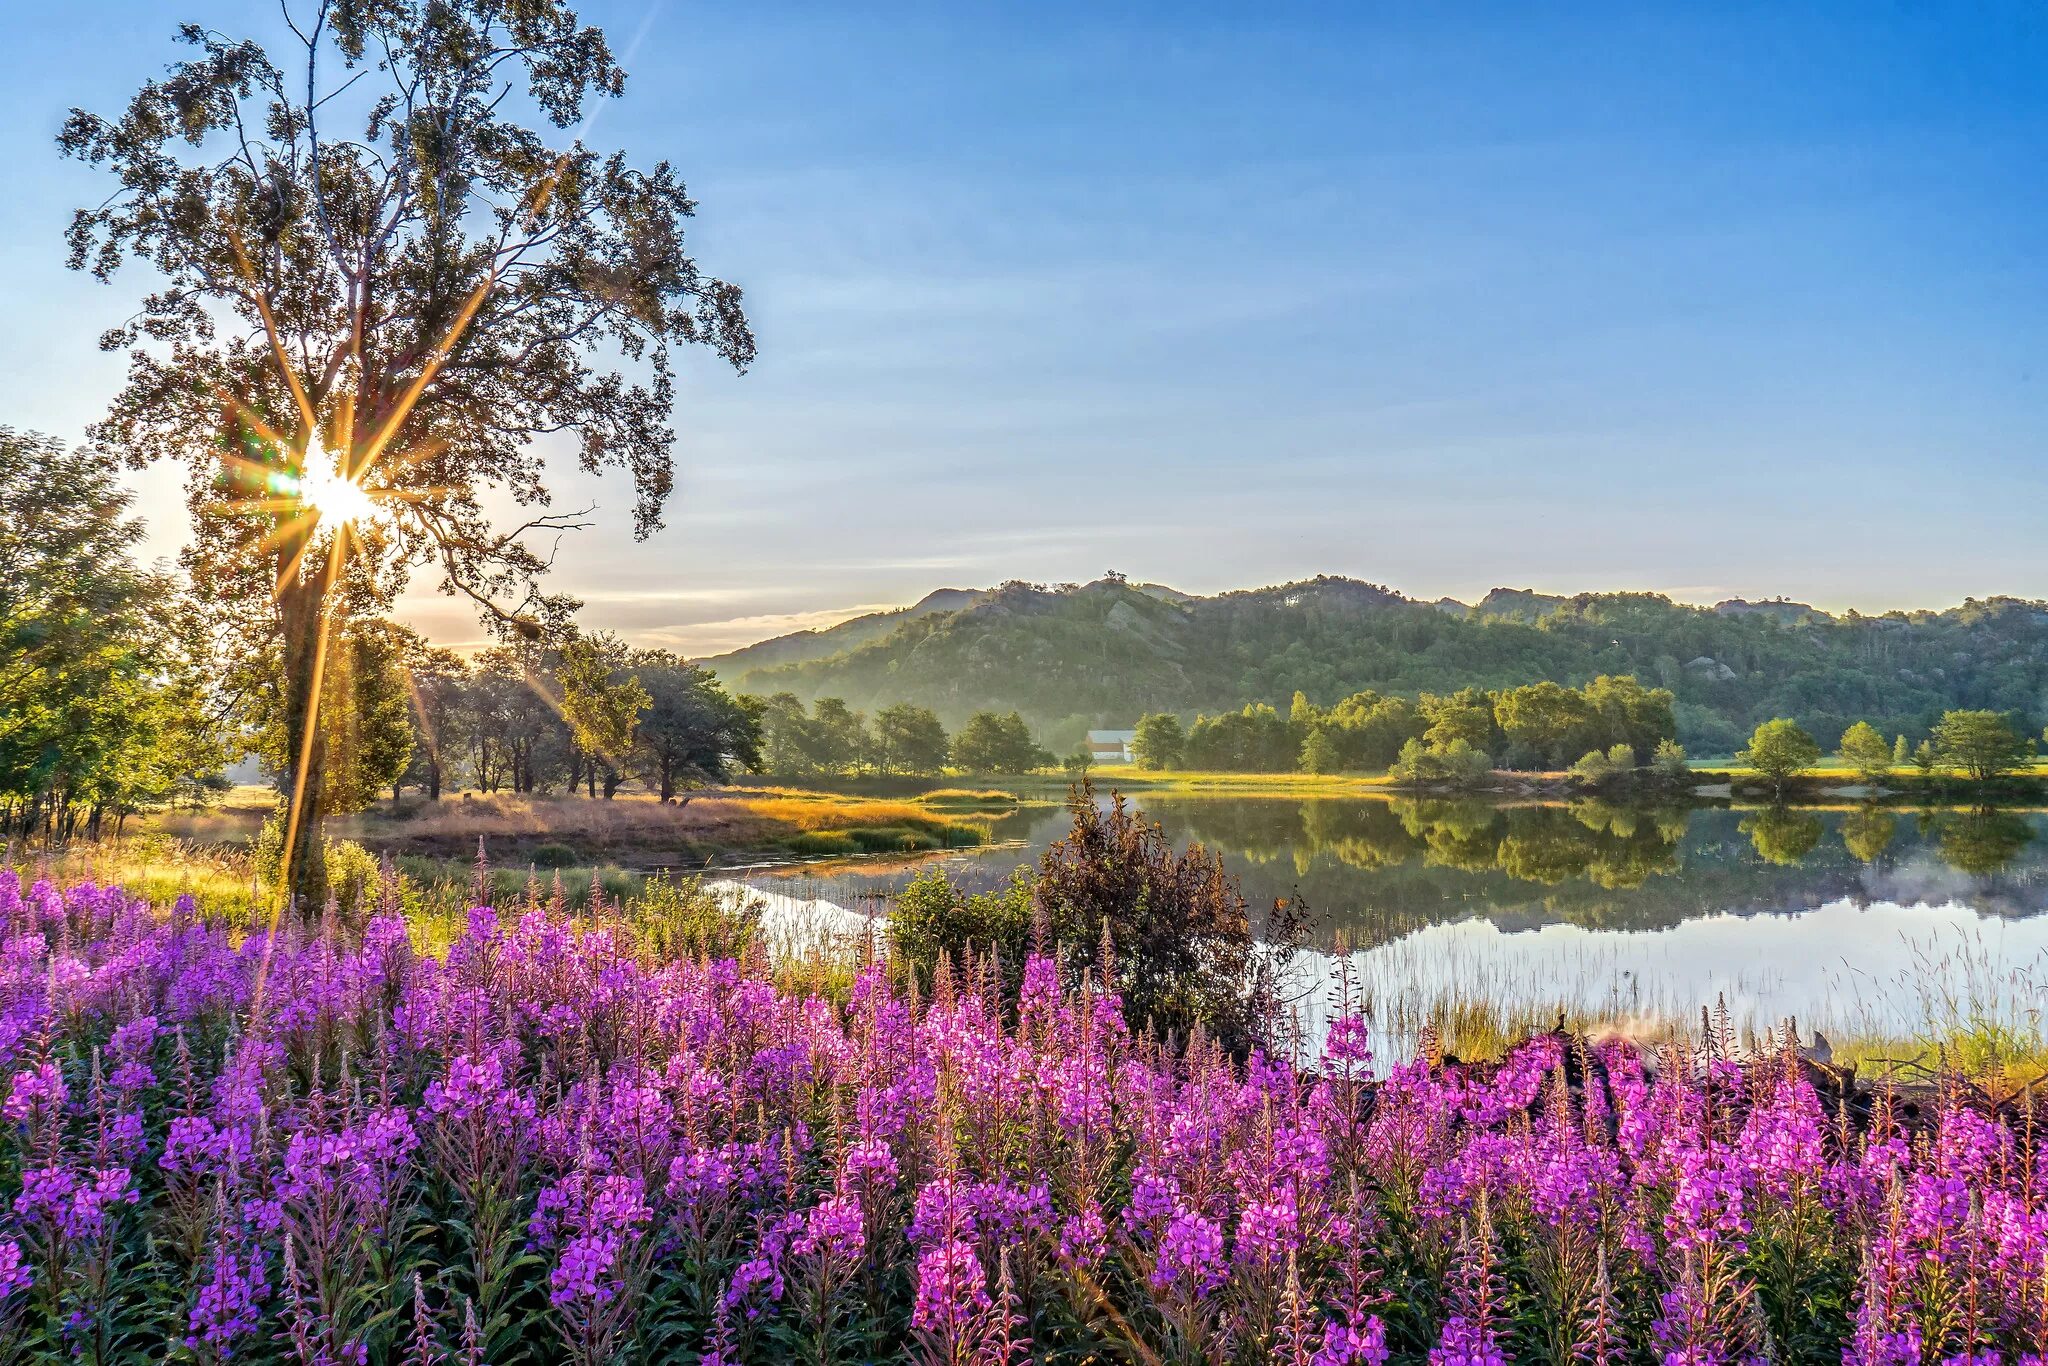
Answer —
543 1148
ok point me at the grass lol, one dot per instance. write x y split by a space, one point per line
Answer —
234 819
160 868
566 830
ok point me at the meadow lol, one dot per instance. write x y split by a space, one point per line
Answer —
553 1143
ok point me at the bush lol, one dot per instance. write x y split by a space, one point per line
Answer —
932 918
353 872
1595 767
1459 763
1171 926
555 856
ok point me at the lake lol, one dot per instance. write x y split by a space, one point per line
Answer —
1870 921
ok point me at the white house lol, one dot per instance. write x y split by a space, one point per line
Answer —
1112 746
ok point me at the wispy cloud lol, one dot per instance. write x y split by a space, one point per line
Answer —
716 637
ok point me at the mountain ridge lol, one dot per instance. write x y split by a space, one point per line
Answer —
1074 656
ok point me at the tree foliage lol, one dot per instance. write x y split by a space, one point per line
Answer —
1864 750
1167 928
601 702
690 729
1159 742
993 742
1113 650
910 739
106 699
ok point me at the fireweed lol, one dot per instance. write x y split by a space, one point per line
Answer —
542 1147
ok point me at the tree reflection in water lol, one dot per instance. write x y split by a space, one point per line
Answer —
1376 868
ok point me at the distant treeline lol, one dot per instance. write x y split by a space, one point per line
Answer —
831 739
1540 726
591 714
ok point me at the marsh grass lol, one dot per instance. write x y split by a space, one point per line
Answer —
1131 778
1977 1012
1962 1006
640 828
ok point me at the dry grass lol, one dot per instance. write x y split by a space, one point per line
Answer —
812 811
234 819
626 820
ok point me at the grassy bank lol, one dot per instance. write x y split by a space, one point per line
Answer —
1127 778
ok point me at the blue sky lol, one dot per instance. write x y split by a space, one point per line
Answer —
1713 299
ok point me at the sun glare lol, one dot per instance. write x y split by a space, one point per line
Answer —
332 494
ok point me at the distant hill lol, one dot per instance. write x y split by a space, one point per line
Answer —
1101 654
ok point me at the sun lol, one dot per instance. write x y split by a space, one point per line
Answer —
332 494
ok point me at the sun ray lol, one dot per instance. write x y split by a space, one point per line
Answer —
310 730
271 332
435 360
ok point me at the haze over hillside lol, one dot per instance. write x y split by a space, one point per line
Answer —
1076 656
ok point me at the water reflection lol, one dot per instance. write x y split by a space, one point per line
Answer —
1375 869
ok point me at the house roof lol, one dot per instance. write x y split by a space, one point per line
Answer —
1110 737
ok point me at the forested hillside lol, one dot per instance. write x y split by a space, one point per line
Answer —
1102 654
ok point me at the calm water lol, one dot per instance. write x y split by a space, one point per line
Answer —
1836 915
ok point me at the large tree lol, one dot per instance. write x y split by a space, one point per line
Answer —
1544 723
1159 741
993 742
1984 745
601 702
1780 750
438 684
384 268
692 729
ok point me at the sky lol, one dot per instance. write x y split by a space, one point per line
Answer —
1716 300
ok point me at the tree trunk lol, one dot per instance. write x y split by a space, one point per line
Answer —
668 778
302 606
